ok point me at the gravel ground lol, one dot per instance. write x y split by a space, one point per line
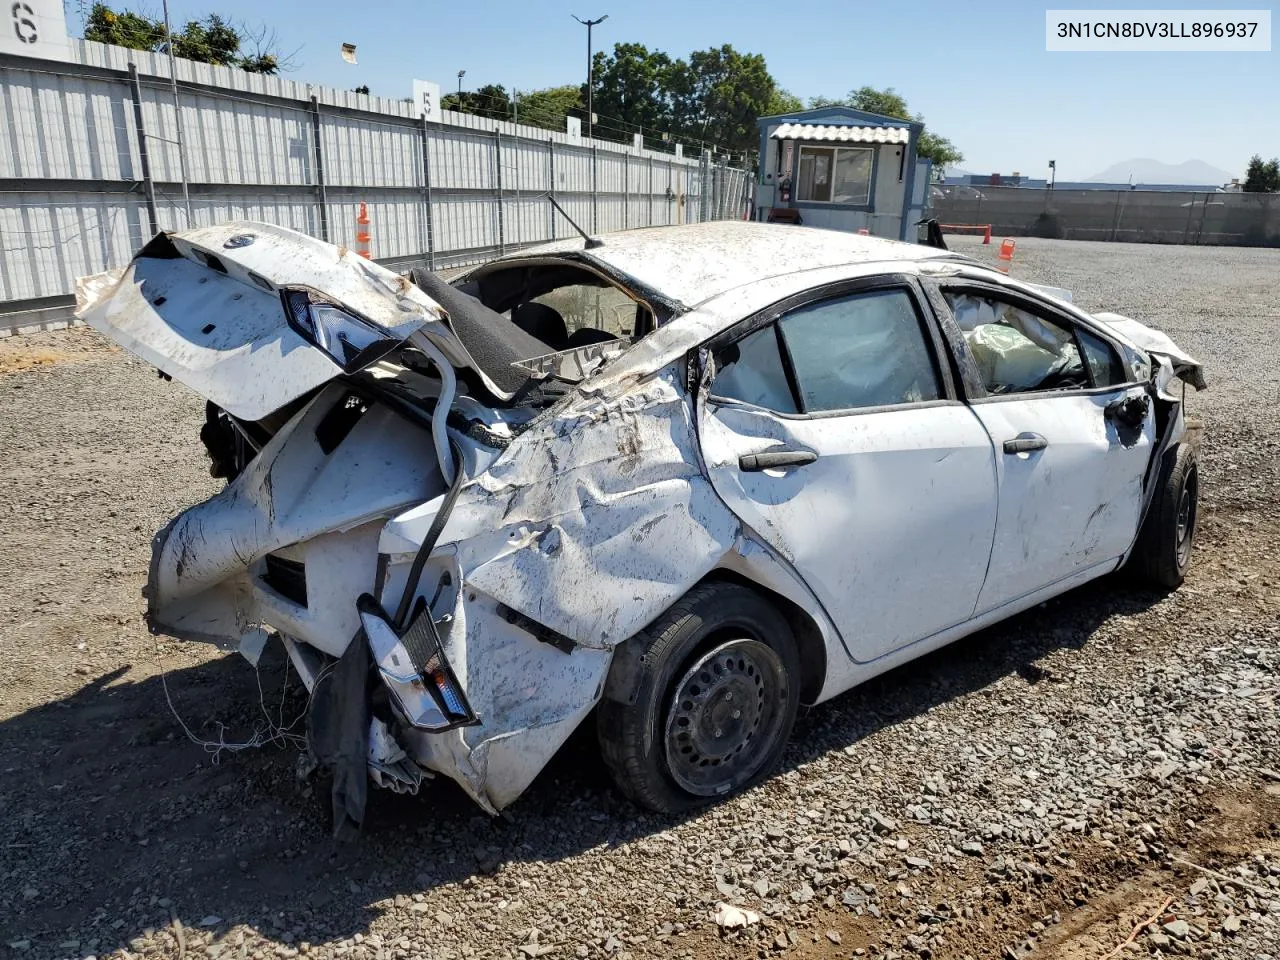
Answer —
1038 789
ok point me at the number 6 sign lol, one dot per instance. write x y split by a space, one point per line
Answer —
34 28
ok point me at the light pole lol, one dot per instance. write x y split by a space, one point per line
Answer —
589 24
1053 173
461 74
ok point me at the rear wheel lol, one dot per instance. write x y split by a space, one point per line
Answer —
1162 555
714 691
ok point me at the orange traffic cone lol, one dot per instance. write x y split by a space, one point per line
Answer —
362 232
1006 254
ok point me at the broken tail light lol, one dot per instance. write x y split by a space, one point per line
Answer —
351 341
415 670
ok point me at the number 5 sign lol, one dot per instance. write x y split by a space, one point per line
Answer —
427 96
34 28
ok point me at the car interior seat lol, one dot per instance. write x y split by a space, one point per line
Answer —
586 335
545 323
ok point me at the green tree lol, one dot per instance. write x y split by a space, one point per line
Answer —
123 29
549 107
717 96
210 40
1262 176
889 103
631 90
783 101
491 100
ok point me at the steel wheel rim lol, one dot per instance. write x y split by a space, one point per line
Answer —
725 716
1186 523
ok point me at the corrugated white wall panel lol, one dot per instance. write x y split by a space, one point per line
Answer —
48 240
250 149
359 153
65 127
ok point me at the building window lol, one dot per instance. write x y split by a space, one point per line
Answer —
835 175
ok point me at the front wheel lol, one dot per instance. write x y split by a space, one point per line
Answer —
714 690
1162 555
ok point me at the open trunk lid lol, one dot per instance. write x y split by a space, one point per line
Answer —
208 307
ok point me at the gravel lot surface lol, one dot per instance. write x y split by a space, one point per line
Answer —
1039 789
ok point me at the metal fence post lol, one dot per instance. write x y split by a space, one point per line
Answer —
671 191
551 183
626 191
722 181
147 183
426 191
704 174
651 190
321 192
595 195
497 163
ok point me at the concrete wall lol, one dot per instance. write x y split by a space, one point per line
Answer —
1138 216
90 169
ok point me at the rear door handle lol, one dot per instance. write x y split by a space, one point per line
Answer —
1025 443
771 459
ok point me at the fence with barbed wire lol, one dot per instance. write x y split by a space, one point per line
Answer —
95 169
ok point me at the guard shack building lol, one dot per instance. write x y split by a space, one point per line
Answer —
842 169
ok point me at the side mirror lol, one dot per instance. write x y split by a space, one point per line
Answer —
1129 411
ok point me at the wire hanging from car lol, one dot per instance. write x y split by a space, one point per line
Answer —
275 731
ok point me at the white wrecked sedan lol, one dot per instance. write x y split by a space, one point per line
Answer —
688 478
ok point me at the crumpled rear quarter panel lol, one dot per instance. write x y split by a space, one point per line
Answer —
598 518
592 523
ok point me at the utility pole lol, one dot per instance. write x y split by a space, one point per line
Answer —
590 66
177 114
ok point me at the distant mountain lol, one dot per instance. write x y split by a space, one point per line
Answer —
1143 170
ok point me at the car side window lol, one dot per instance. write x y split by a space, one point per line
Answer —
863 350
1017 350
751 370
1103 361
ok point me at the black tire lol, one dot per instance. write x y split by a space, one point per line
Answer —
743 646
1162 554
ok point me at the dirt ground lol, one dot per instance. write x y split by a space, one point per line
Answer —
1039 789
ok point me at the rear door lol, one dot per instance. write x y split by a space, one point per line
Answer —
1072 435
832 431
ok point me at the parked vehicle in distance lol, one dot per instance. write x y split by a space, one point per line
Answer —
687 477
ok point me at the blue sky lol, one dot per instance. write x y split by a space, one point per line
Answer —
977 71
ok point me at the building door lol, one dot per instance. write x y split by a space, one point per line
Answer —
919 199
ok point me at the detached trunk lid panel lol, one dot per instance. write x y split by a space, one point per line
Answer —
227 342
204 308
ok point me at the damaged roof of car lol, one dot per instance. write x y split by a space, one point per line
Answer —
692 263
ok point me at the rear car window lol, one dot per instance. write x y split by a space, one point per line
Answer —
846 353
865 350
751 371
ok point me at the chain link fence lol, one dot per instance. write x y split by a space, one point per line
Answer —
1135 216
